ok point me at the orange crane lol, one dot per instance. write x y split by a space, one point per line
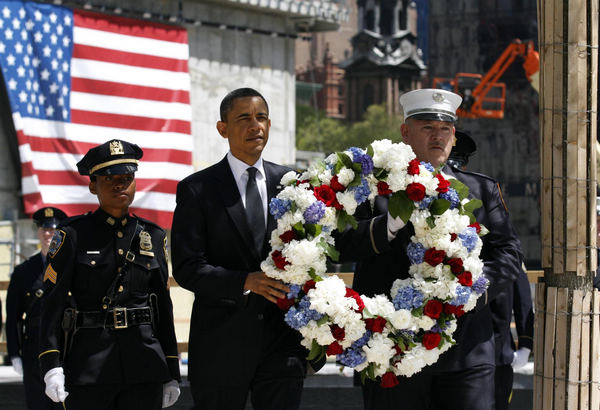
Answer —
484 96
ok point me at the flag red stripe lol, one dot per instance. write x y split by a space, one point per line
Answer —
127 58
130 122
130 27
85 85
63 146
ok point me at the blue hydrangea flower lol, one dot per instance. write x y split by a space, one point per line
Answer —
462 295
424 204
298 316
294 291
361 192
314 212
480 285
351 357
408 298
428 166
469 238
360 157
416 252
451 196
278 207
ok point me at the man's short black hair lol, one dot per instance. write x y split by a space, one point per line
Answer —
227 102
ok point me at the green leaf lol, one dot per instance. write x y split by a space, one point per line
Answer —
460 188
400 205
314 181
472 205
346 160
418 312
332 252
298 229
323 320
344 220
313 229
338 166
439 206
371 371
380 173
316 350
357 180
430 222
357 168
370 151
293 207
314 276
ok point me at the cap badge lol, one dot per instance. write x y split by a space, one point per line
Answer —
145 241
116 148
437 97
49 213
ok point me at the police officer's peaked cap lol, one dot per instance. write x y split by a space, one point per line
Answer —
114 157
430 104
463 149
48 217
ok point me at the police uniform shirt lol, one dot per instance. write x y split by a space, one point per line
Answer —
84 257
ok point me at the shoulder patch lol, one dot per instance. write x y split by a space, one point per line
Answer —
50 274
57 240
166 249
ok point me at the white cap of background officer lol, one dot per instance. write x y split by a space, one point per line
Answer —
430 104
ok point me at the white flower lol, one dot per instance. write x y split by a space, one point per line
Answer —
289 178
346 199
345 176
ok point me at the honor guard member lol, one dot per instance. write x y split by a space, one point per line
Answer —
114 346
23 312
463 377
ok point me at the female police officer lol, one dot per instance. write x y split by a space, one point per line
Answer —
116 340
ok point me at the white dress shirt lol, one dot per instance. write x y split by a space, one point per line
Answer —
240 174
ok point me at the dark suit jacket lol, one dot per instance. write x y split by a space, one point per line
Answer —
380 262
213 252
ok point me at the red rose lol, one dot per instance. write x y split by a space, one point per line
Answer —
335 184
383 188
443 184
338 332
413 167
433 309
465 279
476 226
375 325
456 265
279 260
388 380
431 340
453 237
302 182
288 236
310 284
434 257
334 349
350 293
325 194
415 191
284 303
398 350
453 310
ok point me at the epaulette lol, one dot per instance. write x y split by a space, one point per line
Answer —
462 171
149 222
73 218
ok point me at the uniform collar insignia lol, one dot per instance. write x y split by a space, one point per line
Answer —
110 220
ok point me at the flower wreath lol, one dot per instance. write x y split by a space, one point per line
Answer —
379 337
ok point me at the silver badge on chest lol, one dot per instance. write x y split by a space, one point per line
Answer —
146 244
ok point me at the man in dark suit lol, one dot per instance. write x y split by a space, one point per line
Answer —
107 338
238 341
23 311
463 378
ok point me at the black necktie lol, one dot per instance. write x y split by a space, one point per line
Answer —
254 210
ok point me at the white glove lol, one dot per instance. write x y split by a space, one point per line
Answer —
55 384
170 393
17 365
394 225
521 357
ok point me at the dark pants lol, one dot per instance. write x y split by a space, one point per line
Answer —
277 385
504 381
470 389
33 383
143 396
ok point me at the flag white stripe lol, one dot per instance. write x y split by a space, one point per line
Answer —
126 74
131 44
97 135
50 161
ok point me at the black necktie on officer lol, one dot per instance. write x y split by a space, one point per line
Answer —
254 210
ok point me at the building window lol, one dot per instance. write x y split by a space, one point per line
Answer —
340 109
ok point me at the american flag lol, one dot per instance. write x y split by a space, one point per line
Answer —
76 79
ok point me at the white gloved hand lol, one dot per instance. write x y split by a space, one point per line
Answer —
55 384
521 357
17 365
170 393
394 225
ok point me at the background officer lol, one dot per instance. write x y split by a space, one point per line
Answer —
116 342
23 311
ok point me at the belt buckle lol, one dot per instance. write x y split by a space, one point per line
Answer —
120 317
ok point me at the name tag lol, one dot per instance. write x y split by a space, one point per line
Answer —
147 253
93 252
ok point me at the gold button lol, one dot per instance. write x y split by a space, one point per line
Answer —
148 265
93 262
121 288
70 294
119 269
120 251
104 307
120 234
28 294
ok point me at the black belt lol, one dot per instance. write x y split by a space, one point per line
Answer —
116 318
